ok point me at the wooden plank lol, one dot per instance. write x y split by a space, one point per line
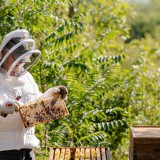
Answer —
53 156
103 152
108 153
82 154
42 111
51 153
98 153
56 154
77 154
67 154
145 132
62 154
72 154
93 154
87 154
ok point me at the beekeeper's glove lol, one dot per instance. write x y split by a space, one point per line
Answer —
56 92
9 106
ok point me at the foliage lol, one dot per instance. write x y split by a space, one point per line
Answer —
146 21
145 93
142 83
83 47
82 50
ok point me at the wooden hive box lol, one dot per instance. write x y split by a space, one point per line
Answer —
144 143
43 111
81 153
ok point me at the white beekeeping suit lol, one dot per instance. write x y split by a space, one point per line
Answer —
13 135
17 54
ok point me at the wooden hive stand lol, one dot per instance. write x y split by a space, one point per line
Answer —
79 153
144 143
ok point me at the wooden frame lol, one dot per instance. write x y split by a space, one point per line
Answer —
43 111
79 153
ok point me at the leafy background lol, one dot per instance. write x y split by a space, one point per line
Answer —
106 53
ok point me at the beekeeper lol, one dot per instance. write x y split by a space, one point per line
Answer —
17 87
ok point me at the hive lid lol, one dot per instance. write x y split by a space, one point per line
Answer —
145 131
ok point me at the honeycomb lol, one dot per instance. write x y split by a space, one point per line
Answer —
43 111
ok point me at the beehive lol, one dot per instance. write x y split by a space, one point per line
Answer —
145 143
43 111
79 153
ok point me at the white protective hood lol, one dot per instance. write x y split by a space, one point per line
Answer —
30 52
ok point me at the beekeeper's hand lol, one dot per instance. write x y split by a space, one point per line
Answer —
56 92
9 106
